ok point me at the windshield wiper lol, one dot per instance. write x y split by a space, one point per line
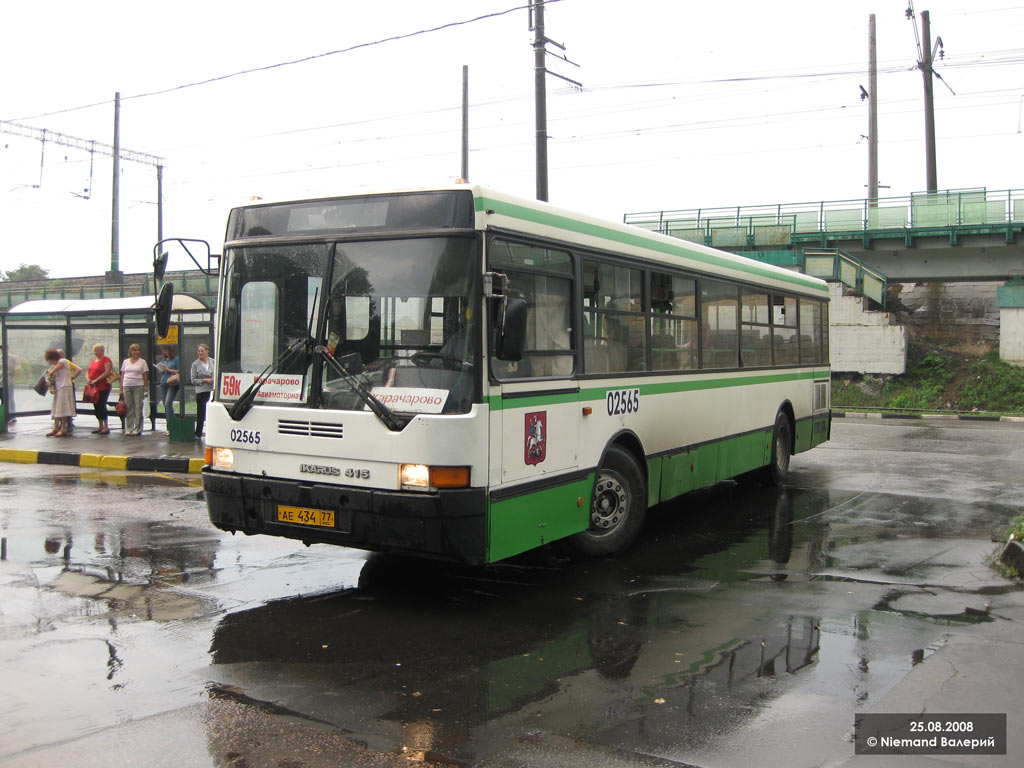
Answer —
381 411
244 402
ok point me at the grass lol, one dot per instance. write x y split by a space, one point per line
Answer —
939 377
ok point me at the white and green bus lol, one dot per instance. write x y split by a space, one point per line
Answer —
460 374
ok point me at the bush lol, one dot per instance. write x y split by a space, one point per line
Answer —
937 378
994 386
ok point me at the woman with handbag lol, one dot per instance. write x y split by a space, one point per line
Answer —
202 378
63 407
97 377
134 382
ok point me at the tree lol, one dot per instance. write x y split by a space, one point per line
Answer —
25 272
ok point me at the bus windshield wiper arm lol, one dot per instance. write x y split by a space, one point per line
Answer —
244 402
381 411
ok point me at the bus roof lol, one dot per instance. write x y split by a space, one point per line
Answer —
497 209
501 210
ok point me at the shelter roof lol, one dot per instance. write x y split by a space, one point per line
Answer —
125 305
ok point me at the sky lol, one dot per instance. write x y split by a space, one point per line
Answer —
683 105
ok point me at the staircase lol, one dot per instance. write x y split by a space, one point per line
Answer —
834 265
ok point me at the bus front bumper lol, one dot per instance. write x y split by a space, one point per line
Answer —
447 524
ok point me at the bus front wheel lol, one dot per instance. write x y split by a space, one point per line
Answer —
617 508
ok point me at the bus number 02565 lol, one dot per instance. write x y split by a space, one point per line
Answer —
248 436
621 401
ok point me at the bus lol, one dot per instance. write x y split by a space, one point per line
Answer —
460 374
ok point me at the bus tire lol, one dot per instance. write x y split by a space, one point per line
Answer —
617 509
782 448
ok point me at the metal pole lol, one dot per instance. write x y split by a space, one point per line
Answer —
929 102
112 275
872 111
465 122
540 98
159 203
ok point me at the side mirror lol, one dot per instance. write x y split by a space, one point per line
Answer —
510 329
162 309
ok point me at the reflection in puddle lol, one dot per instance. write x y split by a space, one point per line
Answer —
423 656
690 634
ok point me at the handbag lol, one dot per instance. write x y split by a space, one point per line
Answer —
90 394
172 380
113 377
120 409
42 386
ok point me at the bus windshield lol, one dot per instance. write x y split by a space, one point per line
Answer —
401 314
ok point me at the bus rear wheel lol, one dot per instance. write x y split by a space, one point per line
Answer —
617 508
782 448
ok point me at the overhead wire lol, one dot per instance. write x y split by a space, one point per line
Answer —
301 60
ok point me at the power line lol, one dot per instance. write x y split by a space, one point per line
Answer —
89 145
302 60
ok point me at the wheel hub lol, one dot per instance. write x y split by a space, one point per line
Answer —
610 503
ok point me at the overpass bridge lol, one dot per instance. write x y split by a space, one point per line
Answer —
953 235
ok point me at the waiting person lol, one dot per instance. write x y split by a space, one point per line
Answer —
13 367
76 370
170 379
134 383
59 373
202 378
98 375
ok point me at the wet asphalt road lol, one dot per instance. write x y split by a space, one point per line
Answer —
747 623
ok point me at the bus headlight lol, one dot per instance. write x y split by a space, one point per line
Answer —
421 476
223 458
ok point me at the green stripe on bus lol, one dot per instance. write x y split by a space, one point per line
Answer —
524 522
548 219
496 403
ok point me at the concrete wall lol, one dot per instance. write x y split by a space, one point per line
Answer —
1011 335
863 341
954 312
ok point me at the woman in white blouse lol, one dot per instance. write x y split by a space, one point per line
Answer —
202 378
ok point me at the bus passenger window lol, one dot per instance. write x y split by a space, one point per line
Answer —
719 314
785 342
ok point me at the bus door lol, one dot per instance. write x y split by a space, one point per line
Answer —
539 408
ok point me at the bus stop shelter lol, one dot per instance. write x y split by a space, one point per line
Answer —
76 326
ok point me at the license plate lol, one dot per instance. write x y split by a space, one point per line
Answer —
321 518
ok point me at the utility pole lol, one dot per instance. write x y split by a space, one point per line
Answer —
540 99
540 73
926 56
465 123
929 103
872 111
115 275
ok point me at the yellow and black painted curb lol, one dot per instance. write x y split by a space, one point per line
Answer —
103 461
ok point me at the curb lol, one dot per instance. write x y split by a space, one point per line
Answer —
929 416
102 461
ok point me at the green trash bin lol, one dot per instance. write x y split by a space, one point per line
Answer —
182 428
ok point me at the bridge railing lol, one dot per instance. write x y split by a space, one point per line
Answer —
195 283
781 223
